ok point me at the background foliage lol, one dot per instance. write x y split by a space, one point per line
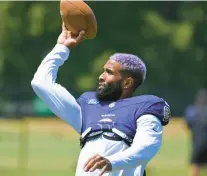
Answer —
168 36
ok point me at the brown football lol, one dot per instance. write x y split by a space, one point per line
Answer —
77 16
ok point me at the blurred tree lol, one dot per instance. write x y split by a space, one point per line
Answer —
168 36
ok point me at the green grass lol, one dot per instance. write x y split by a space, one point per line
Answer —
50 148
172 159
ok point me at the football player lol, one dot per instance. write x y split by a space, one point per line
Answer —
119 133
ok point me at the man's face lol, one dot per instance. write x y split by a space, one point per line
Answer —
110 82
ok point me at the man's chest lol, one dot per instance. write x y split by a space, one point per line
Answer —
109 112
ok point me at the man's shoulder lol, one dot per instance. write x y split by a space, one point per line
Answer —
88 97
157 106
190 107
88 94
147 98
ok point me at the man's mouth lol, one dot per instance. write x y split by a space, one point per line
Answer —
100 85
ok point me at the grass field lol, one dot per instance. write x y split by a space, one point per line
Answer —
46 147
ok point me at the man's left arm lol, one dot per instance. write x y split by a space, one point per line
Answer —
146 144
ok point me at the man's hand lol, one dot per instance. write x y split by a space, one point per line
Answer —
98 162
68 39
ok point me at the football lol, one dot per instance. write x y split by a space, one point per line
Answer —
77 16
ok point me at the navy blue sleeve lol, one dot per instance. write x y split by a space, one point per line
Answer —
190 114
159 109
81 100
86 98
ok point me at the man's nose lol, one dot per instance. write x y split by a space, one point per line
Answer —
102 77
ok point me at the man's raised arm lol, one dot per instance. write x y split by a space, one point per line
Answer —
57 98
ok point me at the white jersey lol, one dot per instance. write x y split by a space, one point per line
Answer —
126 161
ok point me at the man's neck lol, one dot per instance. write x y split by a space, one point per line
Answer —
126 95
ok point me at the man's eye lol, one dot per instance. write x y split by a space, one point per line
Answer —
109 71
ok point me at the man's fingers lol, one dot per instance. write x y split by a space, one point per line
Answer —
80 36
97 162
89 159
97 165
90 163
103 170
63 27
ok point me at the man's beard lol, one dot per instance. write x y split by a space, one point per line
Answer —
109 92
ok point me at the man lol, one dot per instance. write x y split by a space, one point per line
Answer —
196 120
120 134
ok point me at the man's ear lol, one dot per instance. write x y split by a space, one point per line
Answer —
128 83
